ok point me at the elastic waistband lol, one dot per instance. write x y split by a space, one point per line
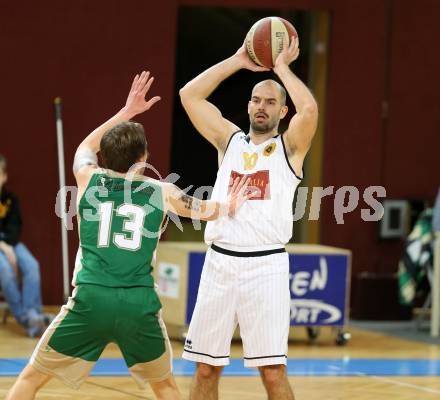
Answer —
247 253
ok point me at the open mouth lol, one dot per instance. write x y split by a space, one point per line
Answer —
260 116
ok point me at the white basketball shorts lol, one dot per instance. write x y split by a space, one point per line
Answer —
252 291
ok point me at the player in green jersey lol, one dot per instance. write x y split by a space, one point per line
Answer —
120 216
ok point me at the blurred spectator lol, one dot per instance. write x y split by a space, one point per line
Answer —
436 216
19 270
413 275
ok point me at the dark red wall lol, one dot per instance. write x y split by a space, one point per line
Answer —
353 131
390 58
87 53
414 90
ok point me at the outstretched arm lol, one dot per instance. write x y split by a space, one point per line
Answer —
85 156
178 202
206 117
302 126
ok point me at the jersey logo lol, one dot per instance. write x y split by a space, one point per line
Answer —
250 160
259 184
269 149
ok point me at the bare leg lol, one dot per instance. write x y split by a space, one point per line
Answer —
166 389
205 384
276 383
27 384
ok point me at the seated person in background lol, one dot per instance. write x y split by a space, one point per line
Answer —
15 259
436 216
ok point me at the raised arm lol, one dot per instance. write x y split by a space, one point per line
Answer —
178 202
206 117
302 126
85 157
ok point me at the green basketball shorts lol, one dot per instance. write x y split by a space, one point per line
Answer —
95 316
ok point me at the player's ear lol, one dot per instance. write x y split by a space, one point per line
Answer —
283 111
249 107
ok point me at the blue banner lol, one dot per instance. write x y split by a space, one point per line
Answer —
318 288
195 266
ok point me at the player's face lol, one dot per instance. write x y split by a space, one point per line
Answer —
265 109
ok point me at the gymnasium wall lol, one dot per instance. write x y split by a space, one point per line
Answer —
87 52
383 123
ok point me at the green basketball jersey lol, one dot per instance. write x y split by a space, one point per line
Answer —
120 222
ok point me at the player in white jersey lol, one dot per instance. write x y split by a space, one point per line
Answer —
245 277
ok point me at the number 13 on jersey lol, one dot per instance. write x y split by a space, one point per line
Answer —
134 217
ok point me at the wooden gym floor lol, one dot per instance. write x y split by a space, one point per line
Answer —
311 384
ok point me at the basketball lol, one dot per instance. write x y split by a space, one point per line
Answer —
264 41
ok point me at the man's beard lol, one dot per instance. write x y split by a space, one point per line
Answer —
263 128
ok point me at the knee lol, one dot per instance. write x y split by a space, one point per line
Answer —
166 389
26 259
33 377
33 271
208 372
6 272
30 268
272 375
4 263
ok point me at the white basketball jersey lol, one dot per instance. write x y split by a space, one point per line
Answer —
266 220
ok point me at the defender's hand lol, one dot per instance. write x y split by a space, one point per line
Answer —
136 102
289 53
238 194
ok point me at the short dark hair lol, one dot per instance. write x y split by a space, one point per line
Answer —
283 95
123 145
281 90
3 162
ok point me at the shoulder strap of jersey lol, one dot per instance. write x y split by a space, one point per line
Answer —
287 160
233 137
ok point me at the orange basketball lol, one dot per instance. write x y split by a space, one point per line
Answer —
264 41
